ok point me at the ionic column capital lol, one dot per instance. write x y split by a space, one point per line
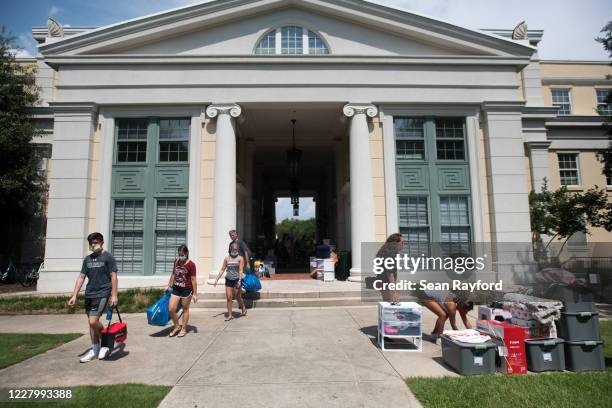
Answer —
232 109
352 109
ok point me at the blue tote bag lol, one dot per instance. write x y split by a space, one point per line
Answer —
159 314
250 282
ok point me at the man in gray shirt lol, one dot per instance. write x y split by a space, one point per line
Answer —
100 269
243 249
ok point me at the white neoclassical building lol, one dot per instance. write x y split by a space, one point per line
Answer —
174 128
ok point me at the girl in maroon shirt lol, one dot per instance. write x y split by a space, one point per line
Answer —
184 289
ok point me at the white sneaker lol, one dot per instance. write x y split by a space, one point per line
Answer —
103 353
88 357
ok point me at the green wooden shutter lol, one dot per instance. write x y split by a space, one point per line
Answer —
170 232
127 236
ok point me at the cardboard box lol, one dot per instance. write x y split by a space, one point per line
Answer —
511 343
535 330
489 313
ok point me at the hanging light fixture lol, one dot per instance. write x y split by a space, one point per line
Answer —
294 157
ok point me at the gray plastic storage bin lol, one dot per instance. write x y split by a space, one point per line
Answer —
545 355
574 298
467 358
584 356
580 326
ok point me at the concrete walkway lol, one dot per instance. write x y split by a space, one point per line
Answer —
272 357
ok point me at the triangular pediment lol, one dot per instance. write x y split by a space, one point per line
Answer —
233 27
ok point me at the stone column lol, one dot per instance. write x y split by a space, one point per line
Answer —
538 156
361 192
71 195
508 192
224 200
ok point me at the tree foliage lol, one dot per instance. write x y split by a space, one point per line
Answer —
559 214
297 228
21 184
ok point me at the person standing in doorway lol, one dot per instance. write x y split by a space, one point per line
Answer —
243 249
184 289
100 269
233 265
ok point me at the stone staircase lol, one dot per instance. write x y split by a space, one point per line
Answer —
216 300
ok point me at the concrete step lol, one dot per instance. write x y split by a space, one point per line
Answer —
219 303
284 295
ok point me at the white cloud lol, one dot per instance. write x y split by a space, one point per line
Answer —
569 26
19 53
27 44
54 10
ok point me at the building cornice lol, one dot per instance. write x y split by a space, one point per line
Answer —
576 81
576 121
56 61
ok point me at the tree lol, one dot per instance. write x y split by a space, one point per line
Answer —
297 228
605 156
22 186
560 214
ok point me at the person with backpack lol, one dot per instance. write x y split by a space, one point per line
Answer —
100 269
233 265
184 290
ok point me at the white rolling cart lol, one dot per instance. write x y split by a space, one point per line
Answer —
404 321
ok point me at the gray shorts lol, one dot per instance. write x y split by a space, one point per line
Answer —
95 306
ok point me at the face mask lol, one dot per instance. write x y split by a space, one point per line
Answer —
95 248
182 258
234 254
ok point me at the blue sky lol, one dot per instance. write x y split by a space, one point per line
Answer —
569 25
284 209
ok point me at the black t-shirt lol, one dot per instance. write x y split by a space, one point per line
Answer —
98 268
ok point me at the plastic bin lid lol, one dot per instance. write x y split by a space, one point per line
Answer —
585 343
545 342
486 345
585 314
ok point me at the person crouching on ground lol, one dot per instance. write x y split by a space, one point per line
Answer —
233 265
100 269
184 289
445 305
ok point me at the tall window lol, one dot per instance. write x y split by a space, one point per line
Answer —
433 183
149 193
569 171
603 106
450 142
561 99
132 140
291 40
174 140
409 139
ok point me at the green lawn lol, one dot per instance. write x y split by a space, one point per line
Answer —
586 389
18 347
111 396
130 301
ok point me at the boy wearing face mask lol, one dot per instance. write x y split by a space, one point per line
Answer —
233 265
100 269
